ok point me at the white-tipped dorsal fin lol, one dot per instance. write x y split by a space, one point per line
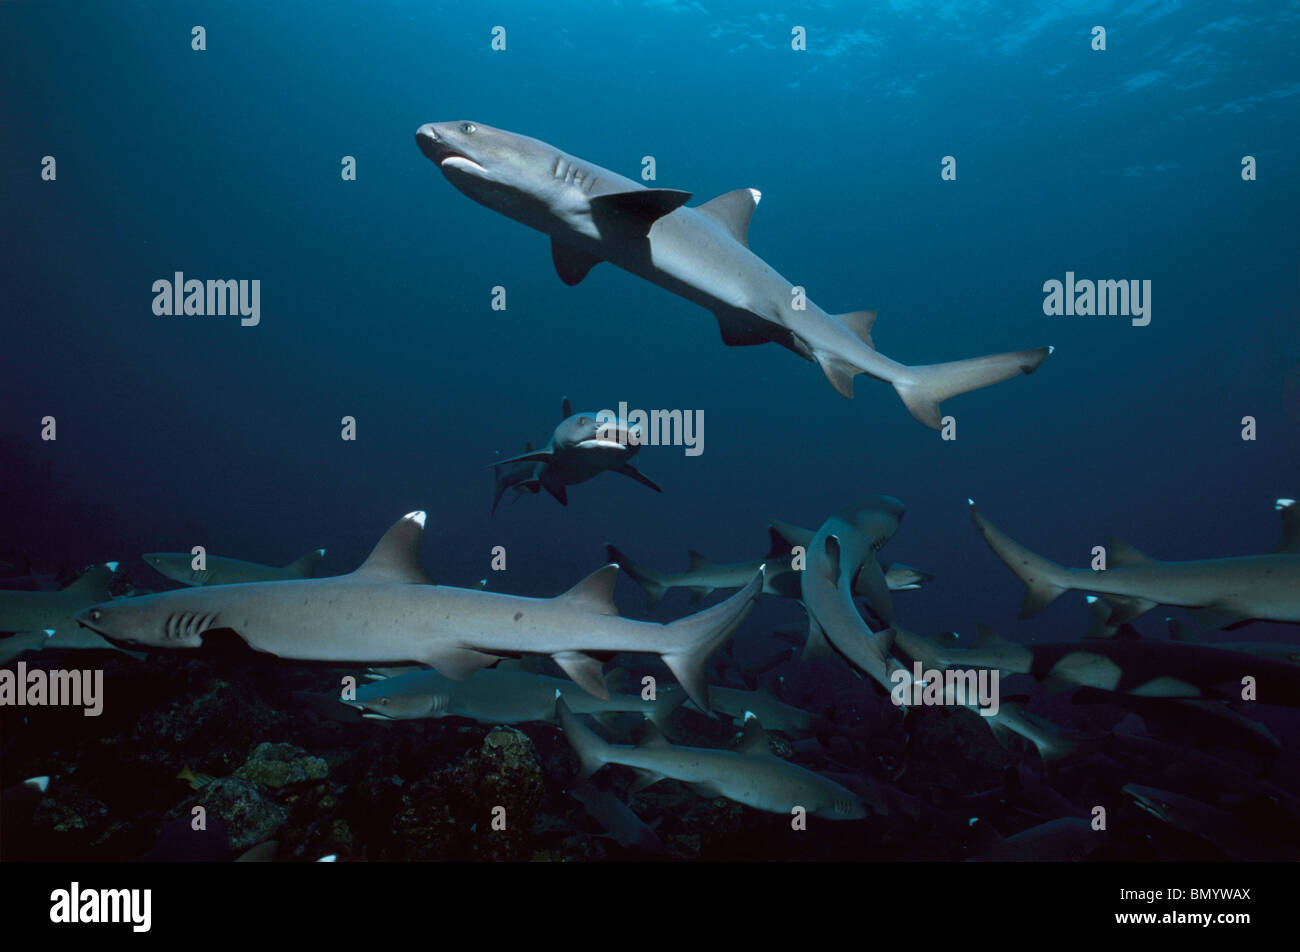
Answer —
1290 514
733 211
396 558
1120 554
753 740
595 593
94 582
40 784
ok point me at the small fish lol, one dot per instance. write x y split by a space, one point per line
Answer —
197 781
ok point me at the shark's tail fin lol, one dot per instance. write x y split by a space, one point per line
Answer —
590 747
305 566
1044 580
651 582
695 638
925 387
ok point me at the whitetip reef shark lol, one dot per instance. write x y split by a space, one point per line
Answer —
179 567
46 621
751 774
842 565
1220 592
703 577
500 695
525 477
581 448
388 611
701 254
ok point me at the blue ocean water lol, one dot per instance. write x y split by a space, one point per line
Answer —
376 293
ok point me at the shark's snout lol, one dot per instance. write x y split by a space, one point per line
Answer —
426 137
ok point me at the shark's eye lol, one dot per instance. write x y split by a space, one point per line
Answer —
383 701
467 127
96 615
583 421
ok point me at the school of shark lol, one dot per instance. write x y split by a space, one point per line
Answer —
563 728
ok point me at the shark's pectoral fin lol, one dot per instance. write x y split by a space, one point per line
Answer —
543 455
557 490
630 471
839 372
585 671
733 210
572 264
738 330
631 214
458 663
698 593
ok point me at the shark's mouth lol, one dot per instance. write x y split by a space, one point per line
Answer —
457 161
602 444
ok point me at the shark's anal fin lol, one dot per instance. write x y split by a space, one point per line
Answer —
630 471
733 211
631 214
585 671
571 264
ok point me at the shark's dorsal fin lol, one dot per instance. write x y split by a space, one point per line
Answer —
566 408
1290 515
631 214
305 566
1121 555
733 210
696 562
653 738
986 637
832 548
789 535
860 323
595 593
753 741
571 264
528 446
396 558
94 582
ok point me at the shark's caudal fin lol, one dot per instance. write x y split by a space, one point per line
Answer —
923 388
305 566
592 750
695 638
651 582
1044 580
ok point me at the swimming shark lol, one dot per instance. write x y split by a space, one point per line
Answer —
179 567
751 774
1220 592
841 564
524 478
1235 835
46 621
1066 840
1053 743
500 695
704 577
1143 667
581 448
388 611
770 710
617 818
701 254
